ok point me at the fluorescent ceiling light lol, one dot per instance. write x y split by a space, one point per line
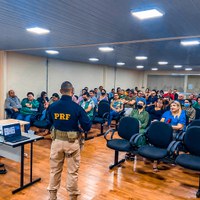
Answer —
38 30
93 59
190 43
146 14
106 49
188 69
154 69
177 66
140 57
53 52
162 62
120 63
139 67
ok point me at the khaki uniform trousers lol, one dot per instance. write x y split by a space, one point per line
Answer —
59 151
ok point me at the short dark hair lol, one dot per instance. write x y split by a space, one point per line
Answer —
43 93
29 93
104 90
66 86
190 101
92 91
86 93
56 95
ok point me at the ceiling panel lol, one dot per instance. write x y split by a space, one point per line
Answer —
79 27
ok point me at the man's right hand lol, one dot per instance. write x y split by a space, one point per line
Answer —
15 109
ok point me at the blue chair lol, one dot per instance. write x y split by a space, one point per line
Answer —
195 122
128 127
102 115
159 137
192 144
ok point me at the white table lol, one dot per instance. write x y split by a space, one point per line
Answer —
15 152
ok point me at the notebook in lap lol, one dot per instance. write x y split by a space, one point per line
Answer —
12 133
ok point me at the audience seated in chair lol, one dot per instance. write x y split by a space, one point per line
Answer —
156 111
88 105
103 96
29 108
141 115
152 98
169 94
176 118
129 103
43 99
80 98
116 107
54 97
190 111
140 97
111 94
93 97
12 105
196 105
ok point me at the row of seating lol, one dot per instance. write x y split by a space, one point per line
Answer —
161 143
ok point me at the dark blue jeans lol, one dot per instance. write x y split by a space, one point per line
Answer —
26 118
112 114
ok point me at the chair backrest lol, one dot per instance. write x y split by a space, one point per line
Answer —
195 122
104 101
9 113
160 134
128 126
103 108
197 113
192 140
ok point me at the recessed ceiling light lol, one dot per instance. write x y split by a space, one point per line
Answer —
146 14
190 43
162 62
120 63
154 69
177 66
140 57
38 30
106 49
93 59
53 52
139 67
188 69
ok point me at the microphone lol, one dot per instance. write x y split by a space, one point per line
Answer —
168 121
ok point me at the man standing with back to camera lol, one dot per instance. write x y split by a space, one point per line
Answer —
66 116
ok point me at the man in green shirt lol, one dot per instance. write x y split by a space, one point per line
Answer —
88 105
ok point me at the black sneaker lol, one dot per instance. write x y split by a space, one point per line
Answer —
130 156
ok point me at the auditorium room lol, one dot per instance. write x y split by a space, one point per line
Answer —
99 100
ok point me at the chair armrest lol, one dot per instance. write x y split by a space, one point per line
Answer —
121 113
105 115
134 139
180 136
112 134
173 146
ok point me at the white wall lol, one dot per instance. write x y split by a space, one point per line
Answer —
25 73
186 74
128 78
28 73
79 74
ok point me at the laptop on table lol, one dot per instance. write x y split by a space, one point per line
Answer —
12 133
